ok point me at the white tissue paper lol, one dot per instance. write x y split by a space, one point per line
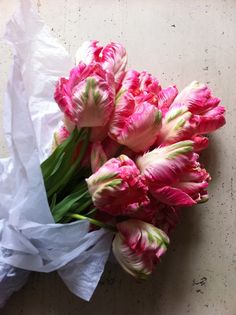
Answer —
29 239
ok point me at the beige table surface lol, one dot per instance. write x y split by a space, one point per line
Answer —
178 41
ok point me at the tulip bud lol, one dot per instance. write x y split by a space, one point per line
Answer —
164 164
198 99
139 130
60 136
112 57
175 178
138 247
87 97
136 120
117 187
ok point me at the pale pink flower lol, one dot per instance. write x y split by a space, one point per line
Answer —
138 247
87 97
112 57
117 187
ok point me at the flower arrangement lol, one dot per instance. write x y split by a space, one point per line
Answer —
123 161
128 151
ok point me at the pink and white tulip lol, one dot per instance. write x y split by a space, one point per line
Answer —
136 119
87 97
174 177
194 112
138 247
166 163
198 99
117 187
112 57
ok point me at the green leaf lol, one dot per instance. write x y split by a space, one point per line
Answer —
66 205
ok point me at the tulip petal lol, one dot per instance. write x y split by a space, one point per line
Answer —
141 128
164 164
166 97
88 52
172 196
200 143
211 121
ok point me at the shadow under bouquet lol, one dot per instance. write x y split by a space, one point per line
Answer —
101 157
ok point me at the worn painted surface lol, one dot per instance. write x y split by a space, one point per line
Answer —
178 41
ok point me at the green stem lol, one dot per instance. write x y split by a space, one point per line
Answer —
60 184
93 221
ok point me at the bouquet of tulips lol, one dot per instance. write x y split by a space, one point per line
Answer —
127 155
123 160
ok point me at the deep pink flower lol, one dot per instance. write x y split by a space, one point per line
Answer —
87 97
166 163
194 112
136 119
198 99
174 177
112 57
138 247
117 187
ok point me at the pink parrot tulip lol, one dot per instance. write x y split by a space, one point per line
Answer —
197 97
112 57
174 177
138 247
87 97
136 120
194 112
117 187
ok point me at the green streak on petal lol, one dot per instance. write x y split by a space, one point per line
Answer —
96 97
176 113
105 177
180 124
118 96
114 183
158 117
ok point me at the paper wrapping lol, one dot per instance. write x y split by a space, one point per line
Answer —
29 239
